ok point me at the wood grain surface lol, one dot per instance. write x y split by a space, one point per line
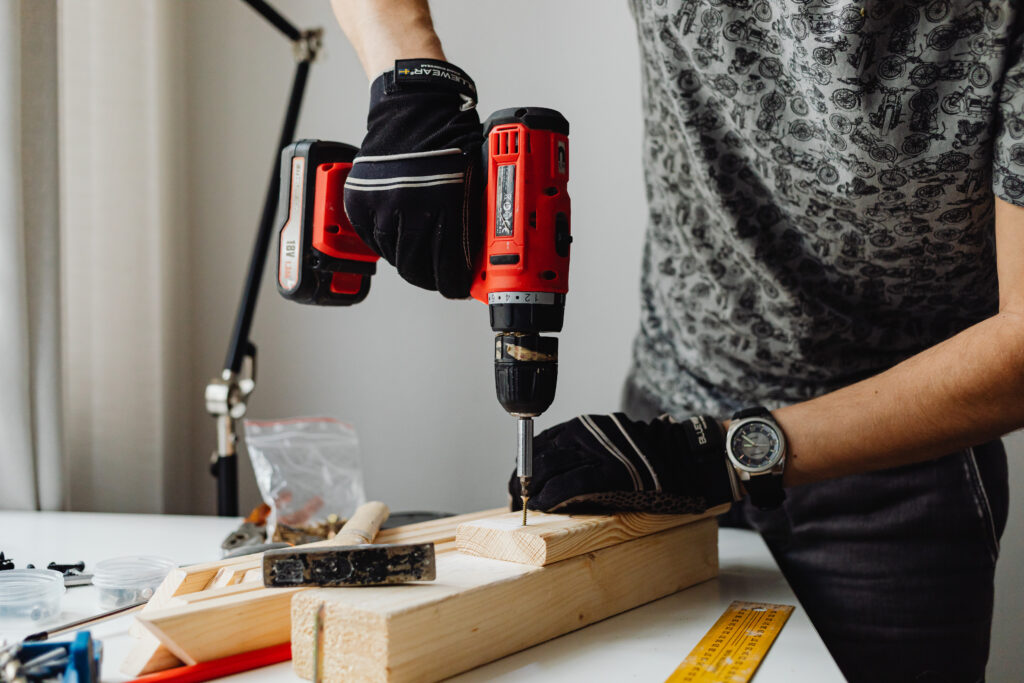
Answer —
551 538
481 609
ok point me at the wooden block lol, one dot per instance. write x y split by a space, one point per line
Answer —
148 655
254 576
481 609
550 538
223 626
205 627
213 594
436 530
190 579
230 575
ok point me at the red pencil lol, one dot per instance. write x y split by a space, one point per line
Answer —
216 668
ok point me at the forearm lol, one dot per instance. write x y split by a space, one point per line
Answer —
382 31
959 393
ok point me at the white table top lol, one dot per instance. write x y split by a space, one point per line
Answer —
644 644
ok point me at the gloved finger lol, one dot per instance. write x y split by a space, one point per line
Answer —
461 236
414 242
576 482
363 217
547 438
569 435
400 185
386 228
453 271
630 501
547 464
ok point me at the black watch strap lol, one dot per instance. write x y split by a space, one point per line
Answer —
765 490
756 411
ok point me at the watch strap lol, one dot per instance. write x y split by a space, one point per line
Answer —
765 491
756 411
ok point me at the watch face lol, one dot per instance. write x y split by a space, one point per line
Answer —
755 445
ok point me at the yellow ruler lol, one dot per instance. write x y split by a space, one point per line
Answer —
734 647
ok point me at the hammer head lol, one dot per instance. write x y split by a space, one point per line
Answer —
349 565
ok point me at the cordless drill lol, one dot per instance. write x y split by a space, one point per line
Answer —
522 272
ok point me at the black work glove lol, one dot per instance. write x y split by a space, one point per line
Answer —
414 193
609 463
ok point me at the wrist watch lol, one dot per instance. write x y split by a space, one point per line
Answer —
756 448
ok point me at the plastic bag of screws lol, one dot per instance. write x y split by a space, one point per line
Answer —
307 469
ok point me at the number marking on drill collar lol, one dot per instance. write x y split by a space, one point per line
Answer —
547 298
732 649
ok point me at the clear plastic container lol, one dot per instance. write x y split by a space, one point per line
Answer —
31 595
124 580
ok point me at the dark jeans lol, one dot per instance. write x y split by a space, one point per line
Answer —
895 568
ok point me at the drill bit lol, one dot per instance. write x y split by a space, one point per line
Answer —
524 459
523 483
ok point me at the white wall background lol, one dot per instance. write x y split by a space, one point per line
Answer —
411 371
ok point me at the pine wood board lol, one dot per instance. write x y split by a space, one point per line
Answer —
224 626
248 615
254 575
482 609
213 594
229 576
551 538
148 655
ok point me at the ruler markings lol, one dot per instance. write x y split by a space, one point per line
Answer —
734 647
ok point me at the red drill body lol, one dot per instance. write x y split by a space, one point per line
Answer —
526 242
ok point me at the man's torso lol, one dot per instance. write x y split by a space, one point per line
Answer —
819 178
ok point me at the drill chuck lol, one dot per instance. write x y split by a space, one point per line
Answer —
525 372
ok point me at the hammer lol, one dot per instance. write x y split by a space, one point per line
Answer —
351 558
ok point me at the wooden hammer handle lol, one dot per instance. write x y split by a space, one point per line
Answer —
363 526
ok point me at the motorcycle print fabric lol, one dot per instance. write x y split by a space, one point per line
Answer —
820 179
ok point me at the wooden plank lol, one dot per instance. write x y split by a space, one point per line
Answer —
205 628
436 530
148 655
254 576
190 579
197 577
551 538
481 609
232 574
254 616
214 593
223 626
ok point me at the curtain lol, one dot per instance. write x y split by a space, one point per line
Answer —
30 413
125 245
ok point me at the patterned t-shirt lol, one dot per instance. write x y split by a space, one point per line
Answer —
820 178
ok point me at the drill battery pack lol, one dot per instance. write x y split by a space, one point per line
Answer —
321 259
